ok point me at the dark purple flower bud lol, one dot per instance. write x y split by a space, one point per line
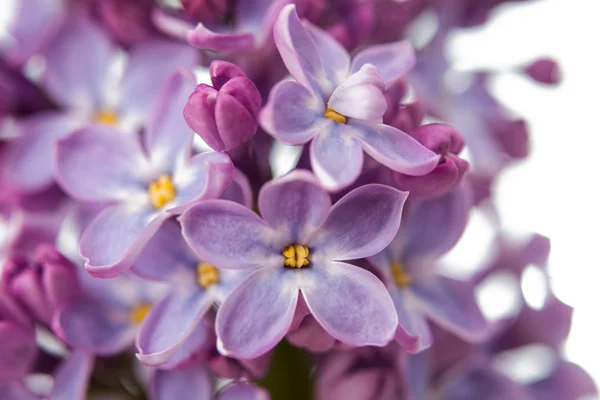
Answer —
225 115
42 284
544 70
443 140
206 10
18 346
405 116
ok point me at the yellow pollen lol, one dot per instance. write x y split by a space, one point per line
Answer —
161 191
207 275
138 313
296 256
400 275
335 116
107 117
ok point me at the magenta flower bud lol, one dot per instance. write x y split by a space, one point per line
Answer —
204 10
225 115
42 284
446 141
544 70
401 115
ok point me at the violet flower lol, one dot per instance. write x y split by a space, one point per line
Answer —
339 105
226 114
146 184
299 246
407 266
89 93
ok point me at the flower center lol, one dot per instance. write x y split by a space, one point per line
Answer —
108 117
138 313
161 191
400 275
207 275
335 116
296 256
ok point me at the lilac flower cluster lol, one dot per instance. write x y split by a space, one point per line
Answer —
151 248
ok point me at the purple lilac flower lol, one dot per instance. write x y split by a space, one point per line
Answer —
407 266
88 93
339 105
226 114
299 246
146 185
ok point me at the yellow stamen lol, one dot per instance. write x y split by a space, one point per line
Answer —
296 256
207 275
400 275
161 191
335 116
139 312
108 117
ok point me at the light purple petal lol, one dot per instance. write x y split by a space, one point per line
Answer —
361 223
200 339
413 332
350 303
204 176
336 60
393 60
168 138
192 383
170 323
115 238
300 53
250 15
293 114
72 377
99 163
205 39
74 80
294 205
336 157
228 235
434 226
91 326
394 148
239 190
360 96
28 159
18 349
243 391
452 305
16 391
148 67
257 314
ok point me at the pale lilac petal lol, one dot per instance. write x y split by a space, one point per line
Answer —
170 322
91 326
71 380
18 349
239 190
257 314
413 332
192 383
72 79
350 303
115 238
451 304
393 60
149 66
294 205
165 254
300 53
394 148
243 391
28 160
250 15
168 138
361 224
293 114
336 59
228 235
200 339
204 176
360 96
16 391
99 163
205 39
434 226
336 157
